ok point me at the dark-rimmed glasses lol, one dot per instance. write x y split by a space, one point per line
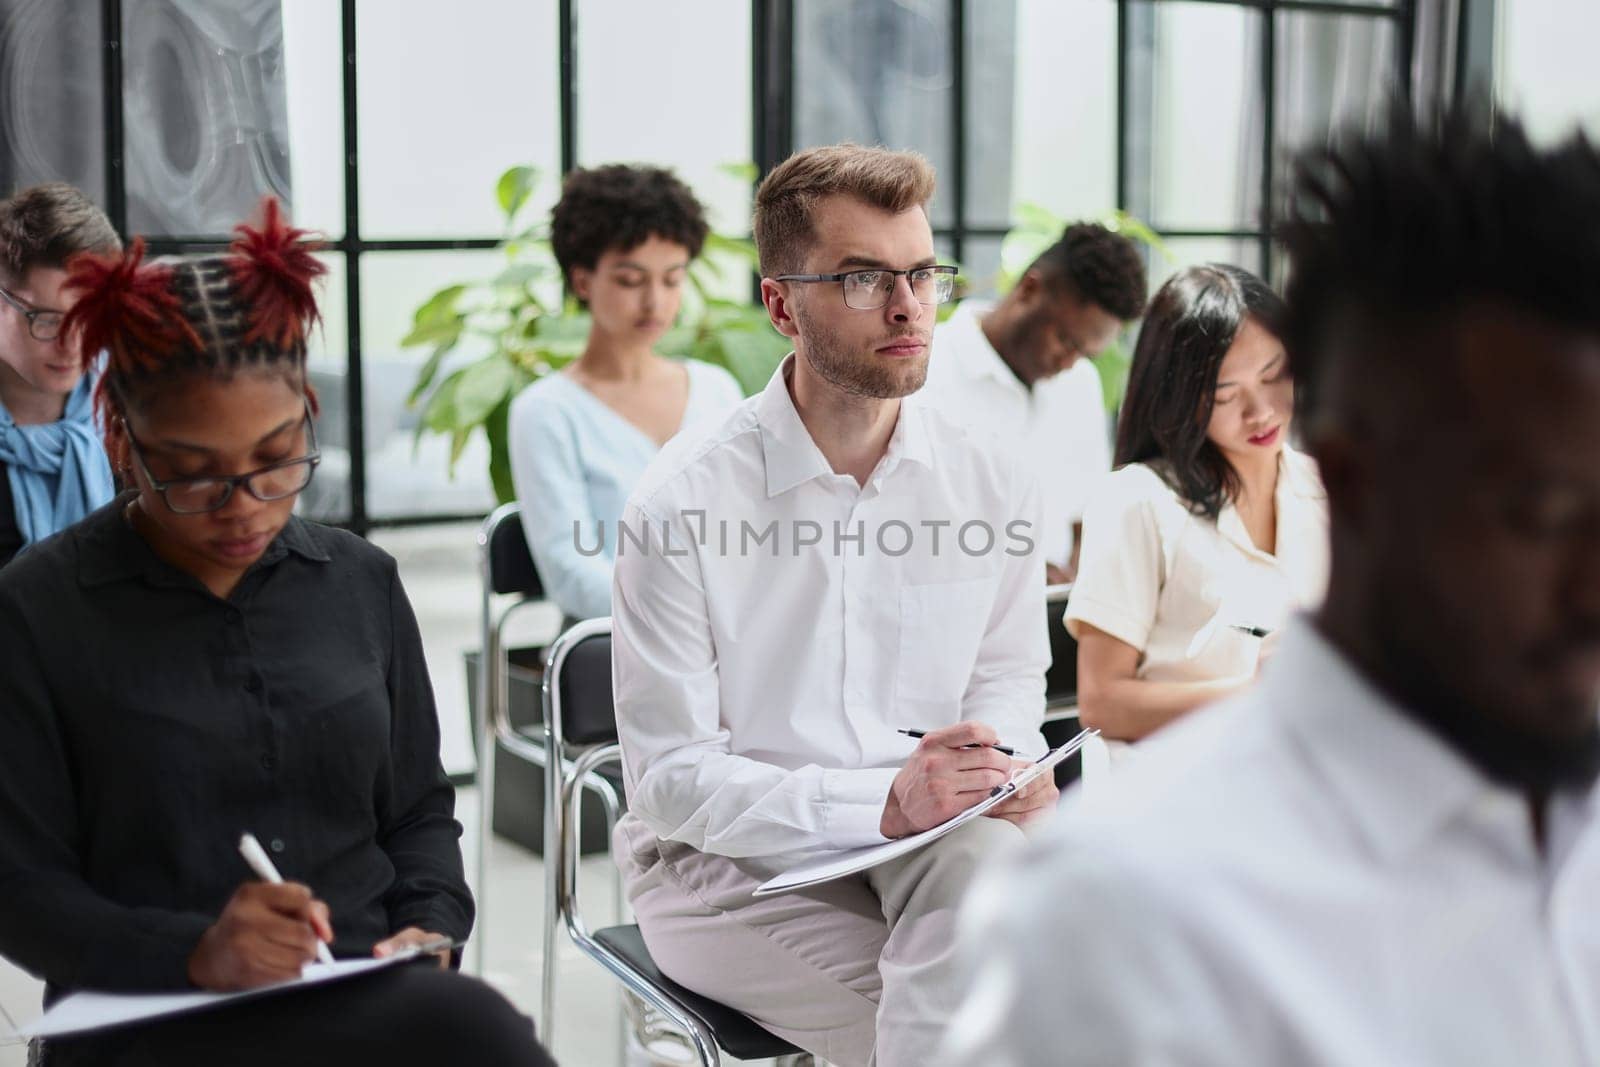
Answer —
44 324
196 496
868 290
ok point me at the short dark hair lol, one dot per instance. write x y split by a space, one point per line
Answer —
784 221
1406 226
1172 381
46 225
1103 267
619 206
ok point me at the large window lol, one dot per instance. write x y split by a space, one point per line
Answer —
385 122
1544 64
383 126
1182 112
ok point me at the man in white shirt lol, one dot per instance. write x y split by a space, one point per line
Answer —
1389 852
831 565
1022 371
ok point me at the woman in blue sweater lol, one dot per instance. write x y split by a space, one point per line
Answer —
580 438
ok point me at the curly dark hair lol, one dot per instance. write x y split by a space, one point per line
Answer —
620 206
1407 226
1104 268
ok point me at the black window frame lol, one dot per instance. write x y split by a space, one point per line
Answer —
351 245
772 121
774 103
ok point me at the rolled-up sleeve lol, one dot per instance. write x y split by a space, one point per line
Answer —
684 782
1120 566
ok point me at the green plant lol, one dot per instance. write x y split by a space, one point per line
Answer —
531 330
1038 228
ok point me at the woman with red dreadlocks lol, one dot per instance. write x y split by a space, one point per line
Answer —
193 661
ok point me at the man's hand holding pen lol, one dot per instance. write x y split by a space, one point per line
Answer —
951 770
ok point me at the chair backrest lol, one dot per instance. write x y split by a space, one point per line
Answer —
1061 678
578 700
508 565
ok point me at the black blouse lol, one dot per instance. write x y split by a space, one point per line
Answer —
145 724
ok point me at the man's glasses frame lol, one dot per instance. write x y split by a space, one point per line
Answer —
229 482
861 287
44 324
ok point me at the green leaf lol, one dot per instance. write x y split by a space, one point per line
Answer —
1113 364
1038 218
737 246
438 320
497 428
439 414
458 445
744 171
483 385
520 274
429 371
514 188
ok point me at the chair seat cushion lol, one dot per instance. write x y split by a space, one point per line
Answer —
737 1035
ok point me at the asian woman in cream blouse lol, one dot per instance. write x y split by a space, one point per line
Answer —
1211 532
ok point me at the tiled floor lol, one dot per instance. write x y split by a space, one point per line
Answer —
438 565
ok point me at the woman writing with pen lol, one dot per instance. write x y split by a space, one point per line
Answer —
1212 531
193 662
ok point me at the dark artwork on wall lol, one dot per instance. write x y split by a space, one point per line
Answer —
205 113
52 96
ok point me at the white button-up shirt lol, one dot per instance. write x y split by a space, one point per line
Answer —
1157 576
1302 875
782 622
1059 426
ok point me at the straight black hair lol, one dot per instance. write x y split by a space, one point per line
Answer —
1188 329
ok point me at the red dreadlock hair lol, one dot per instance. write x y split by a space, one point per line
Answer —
251 307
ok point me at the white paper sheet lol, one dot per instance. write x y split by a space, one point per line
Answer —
78 1013
827 867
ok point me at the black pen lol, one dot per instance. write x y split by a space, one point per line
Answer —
1253 631
923 733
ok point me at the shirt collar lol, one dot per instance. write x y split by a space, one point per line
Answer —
1295 489
975 356
109 550
1396 780
792 457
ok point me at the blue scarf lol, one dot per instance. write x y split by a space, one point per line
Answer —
58 470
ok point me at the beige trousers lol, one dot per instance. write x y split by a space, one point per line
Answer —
861 972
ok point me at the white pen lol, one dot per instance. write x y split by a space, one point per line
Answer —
256 857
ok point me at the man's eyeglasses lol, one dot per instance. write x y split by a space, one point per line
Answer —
44 324
196 496
868 290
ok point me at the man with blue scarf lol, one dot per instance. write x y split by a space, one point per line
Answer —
50 452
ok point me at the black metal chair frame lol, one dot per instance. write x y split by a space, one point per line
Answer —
563 817
494 716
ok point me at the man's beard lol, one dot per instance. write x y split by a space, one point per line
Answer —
862 375
1517 757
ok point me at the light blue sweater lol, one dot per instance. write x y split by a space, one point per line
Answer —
575 460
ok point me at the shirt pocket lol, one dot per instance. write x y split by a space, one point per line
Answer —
941 627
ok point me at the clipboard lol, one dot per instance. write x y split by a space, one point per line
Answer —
84 1012
832 865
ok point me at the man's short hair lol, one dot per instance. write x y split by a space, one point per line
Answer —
618 207
47 225
784 225
1103 267
1401 229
